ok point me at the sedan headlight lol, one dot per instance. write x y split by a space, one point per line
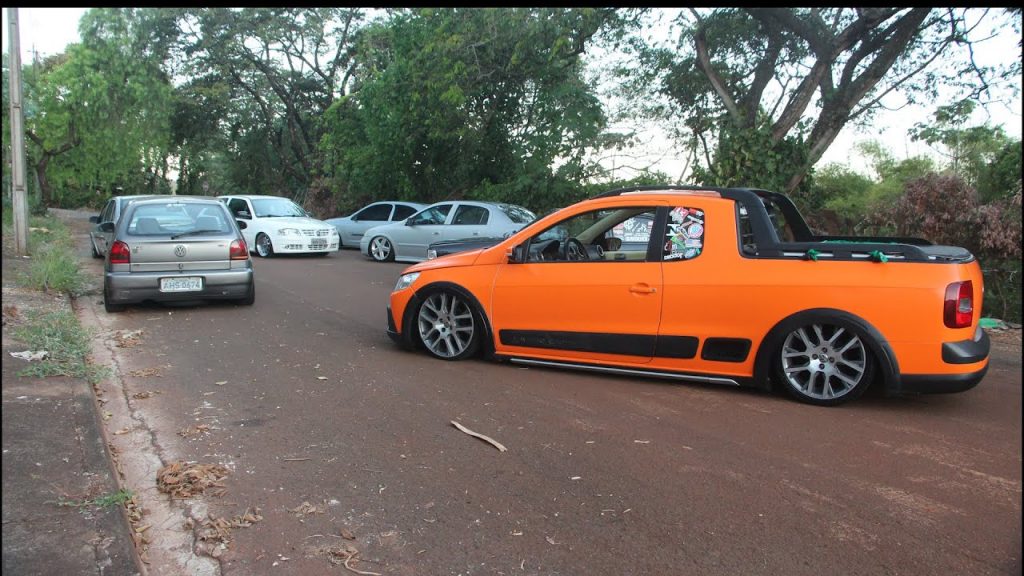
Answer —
333 231
288 231
431 254
406 280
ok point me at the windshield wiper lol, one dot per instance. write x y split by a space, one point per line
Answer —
193 233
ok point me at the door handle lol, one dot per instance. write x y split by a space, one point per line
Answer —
642 289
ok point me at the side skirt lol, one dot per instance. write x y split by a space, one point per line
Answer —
626 371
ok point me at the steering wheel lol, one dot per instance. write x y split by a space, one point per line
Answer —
574 250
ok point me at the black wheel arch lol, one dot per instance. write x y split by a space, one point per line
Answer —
486 335
885 359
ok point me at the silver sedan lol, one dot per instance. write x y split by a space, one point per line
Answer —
452 220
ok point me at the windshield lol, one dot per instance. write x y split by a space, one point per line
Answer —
276 208
517 214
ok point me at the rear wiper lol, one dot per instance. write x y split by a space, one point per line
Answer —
193 233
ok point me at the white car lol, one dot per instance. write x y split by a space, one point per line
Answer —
351 228
452 220
275 225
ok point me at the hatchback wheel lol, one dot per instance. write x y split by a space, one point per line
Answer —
108 304
824 364
381 249
264 247
447 326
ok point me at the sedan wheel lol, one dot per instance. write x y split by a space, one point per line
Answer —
264 247
381 250
824 364
447 326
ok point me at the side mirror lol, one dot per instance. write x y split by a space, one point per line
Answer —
94 219
517 254
107 227
241 225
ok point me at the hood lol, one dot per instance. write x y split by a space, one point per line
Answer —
450 261
298 222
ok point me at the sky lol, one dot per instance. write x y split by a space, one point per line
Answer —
49 30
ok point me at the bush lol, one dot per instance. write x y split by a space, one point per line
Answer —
944 209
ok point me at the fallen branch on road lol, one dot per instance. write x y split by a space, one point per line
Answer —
492 441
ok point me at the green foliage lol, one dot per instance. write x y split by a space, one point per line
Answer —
467 104
748 157
67 345
97 115
53 266
801 75
118 498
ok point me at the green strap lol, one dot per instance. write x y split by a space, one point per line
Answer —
812 254
877 256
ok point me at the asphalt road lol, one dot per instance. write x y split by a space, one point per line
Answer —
308 401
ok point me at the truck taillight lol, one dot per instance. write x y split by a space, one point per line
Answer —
959 305
120 254
239 251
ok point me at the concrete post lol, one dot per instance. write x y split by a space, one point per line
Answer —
18 192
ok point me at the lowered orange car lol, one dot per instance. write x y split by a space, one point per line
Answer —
714 285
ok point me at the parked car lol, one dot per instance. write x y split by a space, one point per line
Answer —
174 248
408 241
446 247
276 225
725 286
99 238
351 228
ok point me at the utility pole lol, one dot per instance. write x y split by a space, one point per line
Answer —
18 192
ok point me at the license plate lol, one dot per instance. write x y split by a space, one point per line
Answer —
183 284
318 244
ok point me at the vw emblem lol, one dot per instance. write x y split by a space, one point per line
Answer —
180 250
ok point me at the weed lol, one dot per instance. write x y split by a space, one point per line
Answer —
67 343
118 498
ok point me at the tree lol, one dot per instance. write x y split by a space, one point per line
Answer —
98 116
983 155
270 74
487 103
765 91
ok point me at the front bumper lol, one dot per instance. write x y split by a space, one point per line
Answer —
300 245
134 287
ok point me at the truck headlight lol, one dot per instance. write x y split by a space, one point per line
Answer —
406 280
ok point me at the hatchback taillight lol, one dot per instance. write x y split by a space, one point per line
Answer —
959 306
120 254
239 251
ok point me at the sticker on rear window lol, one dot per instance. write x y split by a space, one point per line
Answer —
684 235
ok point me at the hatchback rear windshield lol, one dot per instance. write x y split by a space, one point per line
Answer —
175 218
517 214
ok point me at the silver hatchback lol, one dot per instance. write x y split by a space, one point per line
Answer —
176 248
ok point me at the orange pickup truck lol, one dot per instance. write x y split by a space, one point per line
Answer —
713 285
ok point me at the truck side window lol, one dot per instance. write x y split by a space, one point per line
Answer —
684 234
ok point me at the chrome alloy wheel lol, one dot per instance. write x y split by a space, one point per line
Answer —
264 247
380 249
823 362
446 325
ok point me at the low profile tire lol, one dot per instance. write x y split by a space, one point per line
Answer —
381 249
264 247
825 363
109 306
448 326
